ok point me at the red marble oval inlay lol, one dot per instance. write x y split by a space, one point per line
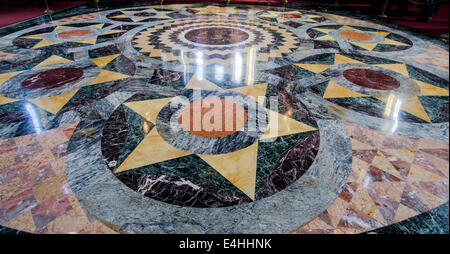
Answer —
371 79
290 16
74 34
355 36
216 36
52 78
201 113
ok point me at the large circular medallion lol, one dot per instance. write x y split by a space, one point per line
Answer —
213 41
205 148
216 36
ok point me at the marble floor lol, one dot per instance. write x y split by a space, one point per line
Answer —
207 118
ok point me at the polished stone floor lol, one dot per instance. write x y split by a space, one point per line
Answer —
199 118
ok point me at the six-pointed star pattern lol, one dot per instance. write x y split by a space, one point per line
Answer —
54 103
410 105
357 37
135 17
238 167
283 17
71 33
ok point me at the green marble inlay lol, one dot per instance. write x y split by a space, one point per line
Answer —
333 43
434 221
303 73
364 101
282 108
136 133
193 169
107 37
385 47
369 104
367 29
144 97
335 27
432 103
319 59
176 84
120 65
86 92
270 152
399 38
415 74
369 59
322 87
27 126
105 51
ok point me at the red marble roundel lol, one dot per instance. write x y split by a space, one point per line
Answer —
52 78
230 114
371 79
356 36
74 33
216 36
290 16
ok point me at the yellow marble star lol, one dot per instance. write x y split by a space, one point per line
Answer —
411 105
362 44
106 75
238 167
318 68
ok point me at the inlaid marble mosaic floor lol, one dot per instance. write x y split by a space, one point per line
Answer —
200 118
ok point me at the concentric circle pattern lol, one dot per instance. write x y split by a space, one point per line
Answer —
215 118
217 41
